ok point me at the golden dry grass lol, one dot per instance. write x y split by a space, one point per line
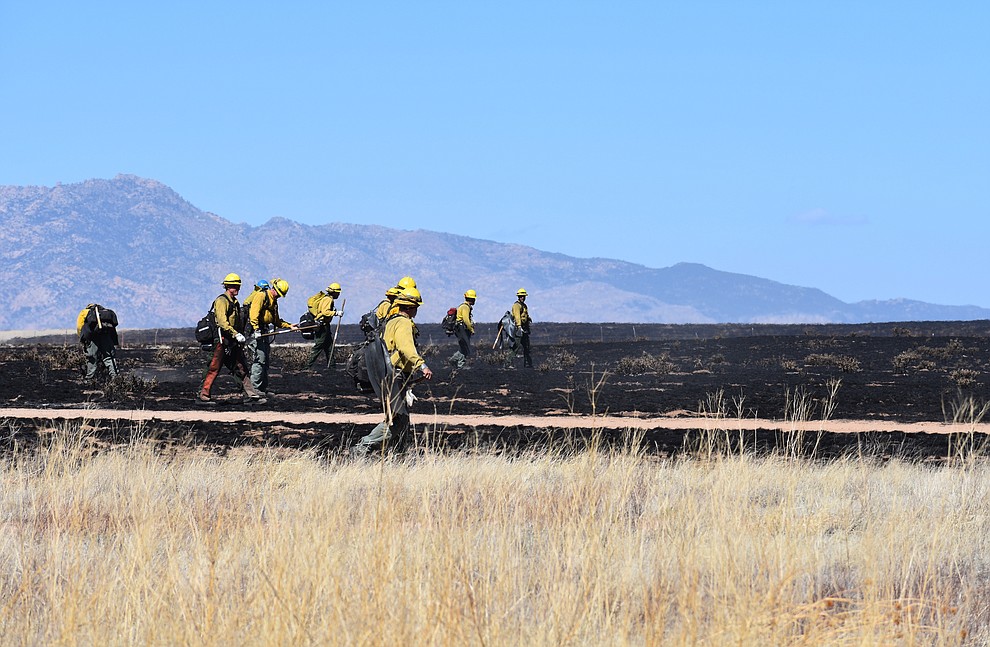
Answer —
132 545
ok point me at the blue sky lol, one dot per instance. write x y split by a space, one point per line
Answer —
837 145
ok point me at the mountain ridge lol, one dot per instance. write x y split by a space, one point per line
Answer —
137 246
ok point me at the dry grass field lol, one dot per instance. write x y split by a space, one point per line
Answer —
192 528
146 543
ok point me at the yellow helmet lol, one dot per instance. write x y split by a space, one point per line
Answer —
407 282
521 292
231 279
409 297
470 294
393 292
334 289
281 286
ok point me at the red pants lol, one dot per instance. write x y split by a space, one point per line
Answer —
231 355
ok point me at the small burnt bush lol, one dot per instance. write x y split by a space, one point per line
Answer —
55 358
496 357
293 358
912 360
789 365
964 377
844 363
645 363
709 365
122 386
341 354
927 358
557 359
818 343
766 362
170 356
953 348
47 359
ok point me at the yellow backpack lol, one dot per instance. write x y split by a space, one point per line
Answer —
81 319
314 302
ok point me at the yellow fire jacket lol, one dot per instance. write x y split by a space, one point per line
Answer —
385 309
464 315
263 311
324 309
520 314
400 340
228 314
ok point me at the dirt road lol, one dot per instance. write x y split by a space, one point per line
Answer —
684 422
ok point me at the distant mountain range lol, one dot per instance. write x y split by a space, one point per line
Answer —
136 246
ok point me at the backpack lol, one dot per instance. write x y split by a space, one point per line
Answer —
244 320
99 319
449 322
378 364
307 320
370 325
313 301
357 369
206 330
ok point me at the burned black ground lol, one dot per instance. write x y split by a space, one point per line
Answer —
918 371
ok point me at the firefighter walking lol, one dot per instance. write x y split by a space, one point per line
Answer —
464 330
407 368
321 306
228 349
98 335
263 320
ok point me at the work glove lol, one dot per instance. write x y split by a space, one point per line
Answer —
240 338
410 398
256 334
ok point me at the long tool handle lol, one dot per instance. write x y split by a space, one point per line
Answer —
285 330
333 344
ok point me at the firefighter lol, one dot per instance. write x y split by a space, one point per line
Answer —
464 330
263 320
383 311
520 317
321 306
372 321
386 304
228 350
97 330
408 367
